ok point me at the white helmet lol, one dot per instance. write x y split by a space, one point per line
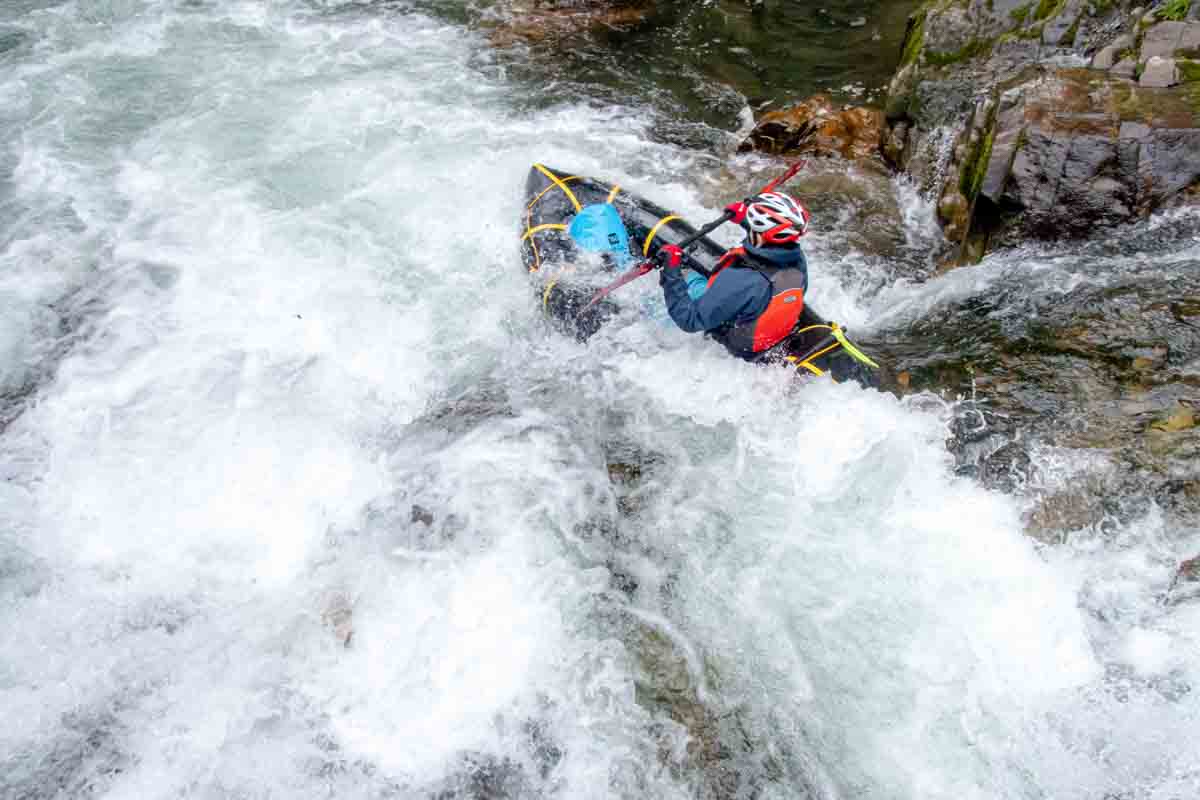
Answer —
776 217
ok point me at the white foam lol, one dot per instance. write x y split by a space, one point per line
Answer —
270 281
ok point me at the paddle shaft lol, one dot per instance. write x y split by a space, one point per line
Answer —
725 217
649 264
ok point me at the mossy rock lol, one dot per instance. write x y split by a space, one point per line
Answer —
973 49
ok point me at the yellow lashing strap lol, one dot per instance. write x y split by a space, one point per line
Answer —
654 232
814 370
545 226
560 184
833 346
542 193
546 294
616 188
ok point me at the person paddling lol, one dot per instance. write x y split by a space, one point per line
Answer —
755 295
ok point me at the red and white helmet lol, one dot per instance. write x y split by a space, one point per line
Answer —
776 217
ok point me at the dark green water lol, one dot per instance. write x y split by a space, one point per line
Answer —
702 63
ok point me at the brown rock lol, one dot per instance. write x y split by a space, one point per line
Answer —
954 210
338 616
815 127
541 20
1186 583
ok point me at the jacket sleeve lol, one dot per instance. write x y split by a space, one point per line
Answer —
716 307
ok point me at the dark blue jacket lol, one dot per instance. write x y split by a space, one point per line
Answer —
736 295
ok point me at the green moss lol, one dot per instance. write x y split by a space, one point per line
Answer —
914 38
1068 39
1176 10
1021 13
1189 71
1032 33
1048 8
971 177
970 50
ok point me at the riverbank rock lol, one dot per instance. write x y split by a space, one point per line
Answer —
816 127
540 20
1048 120
1186 583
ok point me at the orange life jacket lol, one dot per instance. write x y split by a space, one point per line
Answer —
782 313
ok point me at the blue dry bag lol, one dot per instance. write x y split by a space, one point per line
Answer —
598 228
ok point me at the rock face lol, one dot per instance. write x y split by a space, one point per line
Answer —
815 127
997 111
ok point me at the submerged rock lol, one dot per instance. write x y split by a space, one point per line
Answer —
1186 583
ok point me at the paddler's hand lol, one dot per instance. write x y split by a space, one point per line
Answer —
736 212
669 257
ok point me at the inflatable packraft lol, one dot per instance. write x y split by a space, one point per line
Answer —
578 234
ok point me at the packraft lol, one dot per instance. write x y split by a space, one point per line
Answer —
574 226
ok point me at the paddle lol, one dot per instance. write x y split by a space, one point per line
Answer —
646 266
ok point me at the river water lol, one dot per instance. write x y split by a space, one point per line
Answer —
302 498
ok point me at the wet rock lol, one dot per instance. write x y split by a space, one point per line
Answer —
541 20
894 143
1162 40
815 127
1159 73
1186 583
1108 56
485 777
85 757
1112 367
728 760
1061 28
1007 469
1125 68
1034 147
1061 513
1182 418
955 212
338 616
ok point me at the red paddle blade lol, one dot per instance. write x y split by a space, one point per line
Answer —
785 177
633 274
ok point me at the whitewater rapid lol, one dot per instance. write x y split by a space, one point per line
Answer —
302 498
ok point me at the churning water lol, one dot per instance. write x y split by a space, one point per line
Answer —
271 381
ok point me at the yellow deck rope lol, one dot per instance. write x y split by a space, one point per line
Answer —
545 226
654 232
560 184
616 188
858 355
542 193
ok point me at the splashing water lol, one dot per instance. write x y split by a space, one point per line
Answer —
300 497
